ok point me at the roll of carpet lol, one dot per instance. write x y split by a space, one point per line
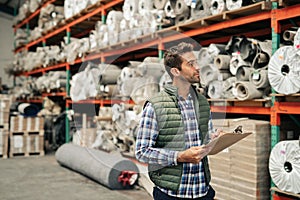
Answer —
217 7
160 4
236 62
248 49
111 170
169 11
259 78
215 89
200 9
246 91
222 61
233 45
228 86
289 35
181 8
209 73
130 9
28 109
284 69
243 73
216 49
284 166
204 57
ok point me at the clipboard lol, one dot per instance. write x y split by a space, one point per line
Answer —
226 140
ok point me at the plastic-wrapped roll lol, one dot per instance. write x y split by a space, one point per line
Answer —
113 20
151 69
109 75
236 4
246 91
259 78
124 30
68 8
160 4
284 166
105 168
243 73
130 9
200 9
222 61
164 80
297 41
145 6
233 4
217 7
283 70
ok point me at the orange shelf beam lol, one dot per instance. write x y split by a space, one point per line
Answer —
42 70
242 110
102 102
30 17
63 94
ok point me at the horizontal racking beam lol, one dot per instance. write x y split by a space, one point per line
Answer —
241 110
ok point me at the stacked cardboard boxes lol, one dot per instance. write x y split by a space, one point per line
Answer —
241 171
26 136
5 102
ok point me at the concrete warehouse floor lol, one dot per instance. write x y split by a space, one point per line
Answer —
42 178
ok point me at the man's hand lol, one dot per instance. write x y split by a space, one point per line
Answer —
217 133
193 154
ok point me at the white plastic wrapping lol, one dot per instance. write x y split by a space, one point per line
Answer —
284 69
284 165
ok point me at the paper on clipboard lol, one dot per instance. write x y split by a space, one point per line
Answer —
226 140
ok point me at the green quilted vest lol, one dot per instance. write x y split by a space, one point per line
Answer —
171 134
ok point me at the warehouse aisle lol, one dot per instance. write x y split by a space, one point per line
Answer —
42 178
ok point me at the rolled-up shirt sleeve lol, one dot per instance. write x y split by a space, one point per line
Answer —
147 134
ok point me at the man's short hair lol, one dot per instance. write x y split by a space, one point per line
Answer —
172 56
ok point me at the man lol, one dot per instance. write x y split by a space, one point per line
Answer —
174 126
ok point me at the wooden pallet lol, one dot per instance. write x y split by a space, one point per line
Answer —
3 144
236 102
287 98
26 143
285 3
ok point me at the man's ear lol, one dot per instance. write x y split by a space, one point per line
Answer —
175 71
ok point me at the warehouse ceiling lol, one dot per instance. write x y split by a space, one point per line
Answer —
10 7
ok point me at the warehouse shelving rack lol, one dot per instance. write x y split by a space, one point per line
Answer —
263 19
